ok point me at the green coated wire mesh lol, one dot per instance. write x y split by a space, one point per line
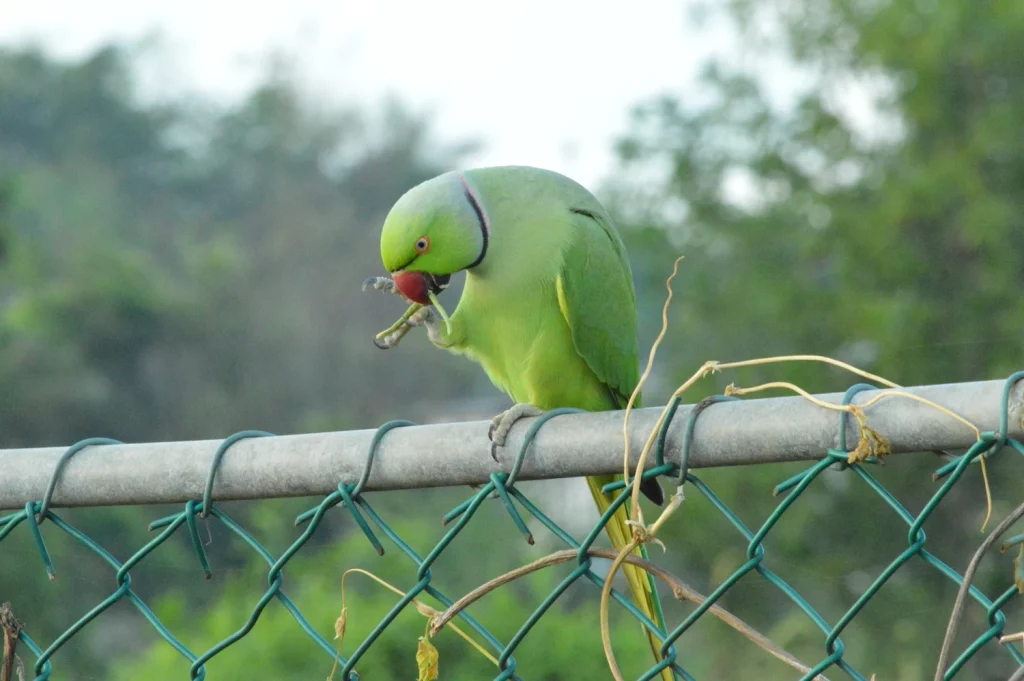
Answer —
35 514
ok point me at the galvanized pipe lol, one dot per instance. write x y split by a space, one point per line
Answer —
744 432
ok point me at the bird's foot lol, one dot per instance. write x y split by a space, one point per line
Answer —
503 422
386 284
428 318
416 315
390 337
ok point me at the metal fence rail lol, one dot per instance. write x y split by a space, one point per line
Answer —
255 464
738 432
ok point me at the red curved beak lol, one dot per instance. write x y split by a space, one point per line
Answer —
414 286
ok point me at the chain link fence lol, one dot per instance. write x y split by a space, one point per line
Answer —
673 463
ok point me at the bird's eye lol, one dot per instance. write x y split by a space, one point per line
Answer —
422 244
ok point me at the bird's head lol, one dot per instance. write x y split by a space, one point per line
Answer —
434 230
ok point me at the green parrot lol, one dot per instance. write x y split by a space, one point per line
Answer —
548 309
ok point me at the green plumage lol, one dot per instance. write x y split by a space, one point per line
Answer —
549 311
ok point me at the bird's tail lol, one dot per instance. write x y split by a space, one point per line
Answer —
641 584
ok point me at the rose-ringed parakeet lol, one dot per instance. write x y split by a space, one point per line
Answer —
548 309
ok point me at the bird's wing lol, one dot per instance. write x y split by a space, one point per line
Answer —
598 301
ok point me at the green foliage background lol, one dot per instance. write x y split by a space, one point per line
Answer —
186 270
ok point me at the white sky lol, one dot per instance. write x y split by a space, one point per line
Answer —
541 82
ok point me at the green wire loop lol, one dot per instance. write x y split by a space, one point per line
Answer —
659 444
215 465
848 396
531 435
995 442
691 422
499 486
372 452
335 497
348 500
62 462
1004 416
37 535
193 533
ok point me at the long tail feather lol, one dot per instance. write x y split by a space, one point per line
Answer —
641 584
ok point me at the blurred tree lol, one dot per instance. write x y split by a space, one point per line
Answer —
200 288
181 271
888 239
894 240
